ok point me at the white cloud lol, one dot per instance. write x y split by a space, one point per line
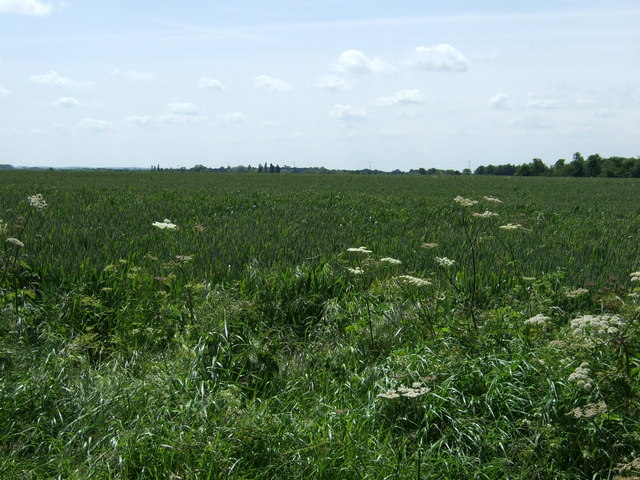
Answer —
333 83
93 125
347 113
210 83
52 78
26 7
499 101
233 118
402 97
270 83
133 74
181 112
67 102
442 57
139 120
354 61
4 92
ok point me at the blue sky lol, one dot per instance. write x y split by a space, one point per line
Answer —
340 84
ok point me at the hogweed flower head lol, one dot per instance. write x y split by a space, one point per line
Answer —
165 225
511 226
418 282
391 261
358 250
465 202
581 377
416 389
576 293
37 202
589 411
445 262
486 214
355 271
492 199
429 245
15 241
635 276
539 320
596 327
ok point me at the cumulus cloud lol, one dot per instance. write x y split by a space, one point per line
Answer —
402 97
269 83
232 118
176 113
67 102
94 125
355 61
52 78
210 84
347 113
499 101
442 57
333 83
4 92
26 7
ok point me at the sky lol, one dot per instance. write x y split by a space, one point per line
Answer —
345 84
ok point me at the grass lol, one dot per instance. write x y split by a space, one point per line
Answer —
264 356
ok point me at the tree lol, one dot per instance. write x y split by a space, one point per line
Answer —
593 167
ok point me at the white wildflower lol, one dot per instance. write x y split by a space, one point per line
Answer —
597 327
465 202
635 276
392 261
539 320
165 225
355 271
15 241
510 226
37 202
492 199
418 282
576 293
429 245
358 250
486 214
581 377
390 394
445 262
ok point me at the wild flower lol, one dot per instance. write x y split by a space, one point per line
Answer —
539 320
358 250
184 258
596 327
165 225
635 276
581 377
492 199
418 282
465 202
416 389
37 202
486 214
391 261
576 293
429 245
510 226
355 271
590 410
445 262
15 241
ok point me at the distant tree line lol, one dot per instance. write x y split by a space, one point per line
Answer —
593 166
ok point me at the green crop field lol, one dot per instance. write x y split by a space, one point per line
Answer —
196 325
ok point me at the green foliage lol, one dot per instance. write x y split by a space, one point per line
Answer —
258 340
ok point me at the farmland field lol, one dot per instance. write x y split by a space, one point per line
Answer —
491 335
